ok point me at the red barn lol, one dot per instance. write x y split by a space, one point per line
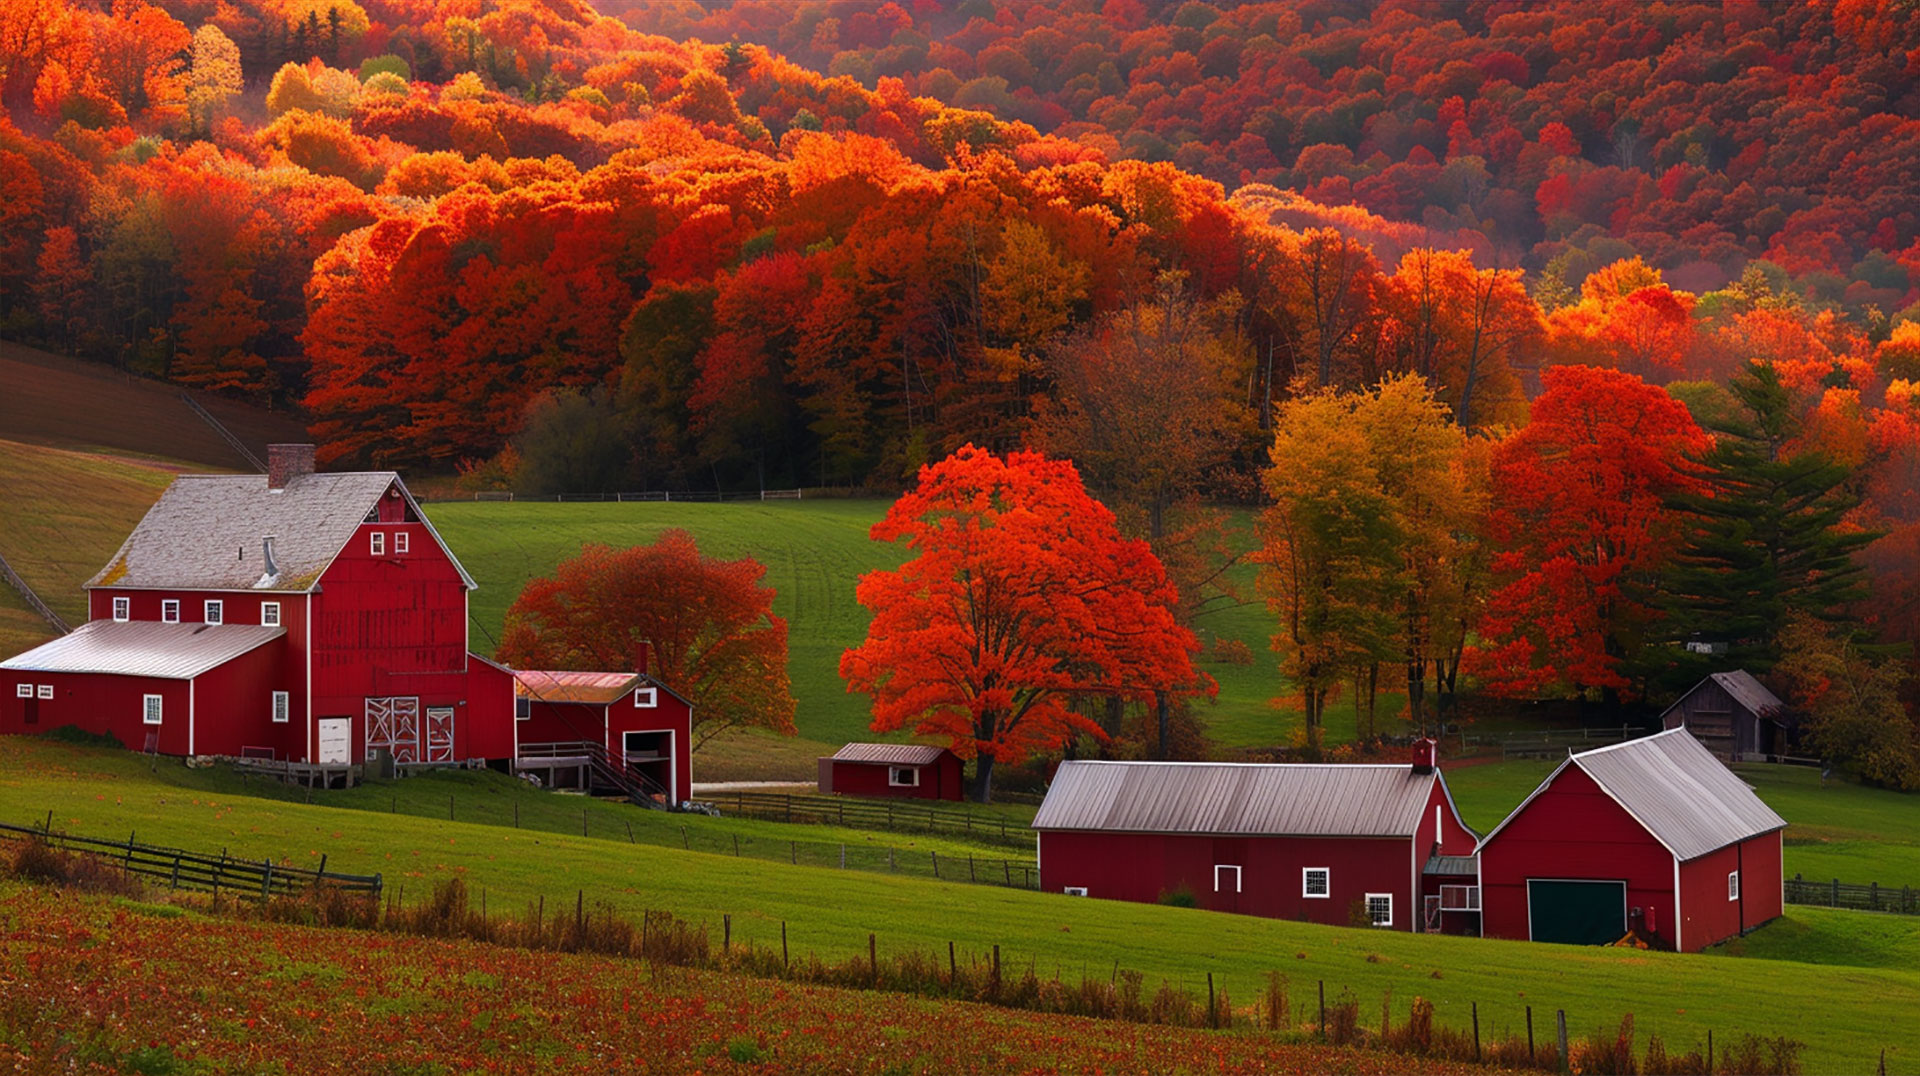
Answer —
306 617
1653 835
638 725
916 771
1323 843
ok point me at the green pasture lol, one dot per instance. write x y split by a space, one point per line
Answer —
1785 983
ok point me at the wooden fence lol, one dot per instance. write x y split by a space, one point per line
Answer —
181 869
1556 743
1872 897
916 816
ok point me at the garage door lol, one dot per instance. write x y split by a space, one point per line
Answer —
1576 913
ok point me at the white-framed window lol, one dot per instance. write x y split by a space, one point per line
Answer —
170 611
215 611
1225 875
270 614
1733 885
399 541
23 691
1075 891
1459 898
903 777
645 697
523 709
281 705
46 691
1380 909
123 609
377 543
1316 882
150 709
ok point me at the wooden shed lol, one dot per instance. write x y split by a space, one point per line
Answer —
1732 715
1654 836
916 771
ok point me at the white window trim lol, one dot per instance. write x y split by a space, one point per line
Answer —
377 544
170 611
45 692
523 709
893 777
1370 898
122 610
1733 885
646 697
1075 891
1467 898
213 611
270 614
282 707
1218 867
399 541
23 691
150 709
1306 888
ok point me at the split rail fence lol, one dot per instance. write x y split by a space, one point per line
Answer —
180 869
1872 897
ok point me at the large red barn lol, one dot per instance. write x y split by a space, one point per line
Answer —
1653 835
1337 844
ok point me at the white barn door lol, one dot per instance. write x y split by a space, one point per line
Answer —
394 724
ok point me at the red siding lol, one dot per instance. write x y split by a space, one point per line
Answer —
1449 836
1143 866
233 705
99 704
1709 916
485 727
239 606
1572 829
939 780
668 714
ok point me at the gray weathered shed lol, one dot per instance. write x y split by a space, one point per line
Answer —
1732 715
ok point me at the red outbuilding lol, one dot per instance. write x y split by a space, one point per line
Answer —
570 720
1337 844
916 771
1654 836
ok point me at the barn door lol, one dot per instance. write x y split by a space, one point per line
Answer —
439 738
393 724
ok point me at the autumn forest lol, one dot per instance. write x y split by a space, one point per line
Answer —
1561 346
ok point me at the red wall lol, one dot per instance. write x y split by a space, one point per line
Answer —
1709 916
241 606
1142 866
939 780
669 714
485 728
99 704
1572 830
1448 835
233 705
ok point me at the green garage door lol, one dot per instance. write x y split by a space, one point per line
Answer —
1577 913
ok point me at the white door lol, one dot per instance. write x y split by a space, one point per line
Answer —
336 734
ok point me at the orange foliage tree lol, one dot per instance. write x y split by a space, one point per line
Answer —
709 624
1021 596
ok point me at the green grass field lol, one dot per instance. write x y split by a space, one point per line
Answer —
1787 970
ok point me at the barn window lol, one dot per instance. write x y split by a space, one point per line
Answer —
1316 882
150 709
377 543
903 777
522 708
123 609
1075 891
216 611
170 611
399 541
1225 874
270 614
1459 898
1380 909
279 707
1733 885
23 691
46 691
645 697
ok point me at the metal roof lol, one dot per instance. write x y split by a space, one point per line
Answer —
1263 799
144 648
591 688
206 531
1744 689
890 754
1451 865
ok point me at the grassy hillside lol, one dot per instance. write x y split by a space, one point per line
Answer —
1678 997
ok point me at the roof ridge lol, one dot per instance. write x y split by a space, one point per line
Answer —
1649 738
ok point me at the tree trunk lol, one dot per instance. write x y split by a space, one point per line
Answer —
1417 694
982 779
1161 713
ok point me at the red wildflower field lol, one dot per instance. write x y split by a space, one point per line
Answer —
91 984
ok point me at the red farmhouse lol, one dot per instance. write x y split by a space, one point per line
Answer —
892 769
1653 835
1324 843
567 719
309 618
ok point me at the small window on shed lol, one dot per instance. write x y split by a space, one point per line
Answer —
46 691
280 707
903 777
123 609
216 611
170 611
1733 885
646 697
1380 909
1075 891
1316 882
377 543
150 709
270 614
399 541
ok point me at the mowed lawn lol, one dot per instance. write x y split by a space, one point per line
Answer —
1861 1009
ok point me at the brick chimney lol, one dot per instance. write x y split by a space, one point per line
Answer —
286 463
1425 752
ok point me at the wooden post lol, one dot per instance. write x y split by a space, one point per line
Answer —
322 872
1323 1010
1006 868
936 863
1476 1031
953 973
793 852
1213 1019
1832 902
789 806
48 828
873 958
784 961
970 876
449 806
736 846
583 821
726 933
1529 1033
630 831
1709 1049
1560 1018
516 814
683 839
889 859
266 881
579 909
996 971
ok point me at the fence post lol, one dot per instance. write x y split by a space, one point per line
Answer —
1709 1049
1323 1010
953 966
322 872
784 961
1529 1033
889 859
843 856
793 852
789 806
516 814
630 839
873 959
266 880
996 971
736 845
1560 1017
449 808
970 875
1873 895
1834 900
1213 1016
583 821
936 863
683 839
1476 1031
726 933
1006 868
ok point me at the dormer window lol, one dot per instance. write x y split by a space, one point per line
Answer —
377 543
170 611
123 609
399 541
645 697
216 611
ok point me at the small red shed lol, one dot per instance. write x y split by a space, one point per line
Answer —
1336 844
568 721
1654 835
917 771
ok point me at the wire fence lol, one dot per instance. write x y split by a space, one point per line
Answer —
894 816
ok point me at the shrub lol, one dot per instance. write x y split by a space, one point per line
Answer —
1275 1007
1181 897
80 737
35 860
1232 652
1343 1019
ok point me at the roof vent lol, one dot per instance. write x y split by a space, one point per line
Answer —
272 574
286 463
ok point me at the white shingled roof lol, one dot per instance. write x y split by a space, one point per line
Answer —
144 648
206 531
1245 799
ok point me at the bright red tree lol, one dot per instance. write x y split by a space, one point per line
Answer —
709 623
1021 595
